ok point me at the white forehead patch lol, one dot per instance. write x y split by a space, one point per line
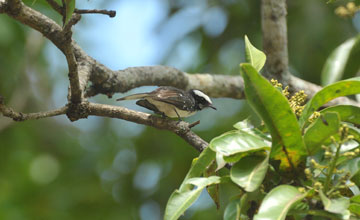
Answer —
201 94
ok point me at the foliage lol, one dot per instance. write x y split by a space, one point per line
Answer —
100 159
69 10
313 155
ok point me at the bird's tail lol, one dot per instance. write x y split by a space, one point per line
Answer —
132 97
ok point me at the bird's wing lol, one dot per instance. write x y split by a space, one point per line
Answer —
146 104
174 96
134 96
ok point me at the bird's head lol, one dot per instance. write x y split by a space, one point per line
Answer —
201 100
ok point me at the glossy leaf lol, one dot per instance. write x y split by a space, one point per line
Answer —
318 132
69 10
234 142
205 158
220 161
245 126
254 56
337 206
355 199
343 62
353 167
278 202
355 208
328 93
347 113
354 131
180 201
232 210
274 109
249 172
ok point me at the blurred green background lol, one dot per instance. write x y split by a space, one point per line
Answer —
100 168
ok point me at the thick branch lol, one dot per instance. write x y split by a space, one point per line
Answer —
109 82
273 20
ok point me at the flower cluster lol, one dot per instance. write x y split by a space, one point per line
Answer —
296 101
348 11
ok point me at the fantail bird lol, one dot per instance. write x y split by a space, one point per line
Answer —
172 102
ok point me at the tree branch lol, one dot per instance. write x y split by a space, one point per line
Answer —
18 116
75 88
109 82
60 10
273 22
181 128
110 13
56 6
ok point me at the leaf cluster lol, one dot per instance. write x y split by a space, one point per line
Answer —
299 162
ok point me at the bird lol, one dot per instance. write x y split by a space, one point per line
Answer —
172 102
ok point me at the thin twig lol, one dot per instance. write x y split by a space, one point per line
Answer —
18 116
110 13
194 124
59 9
55 6
75 89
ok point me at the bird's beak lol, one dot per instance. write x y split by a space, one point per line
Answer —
212 107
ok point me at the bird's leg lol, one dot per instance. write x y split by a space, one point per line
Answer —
162 114
177 114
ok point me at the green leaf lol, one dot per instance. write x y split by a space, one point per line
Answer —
318 132
354 132
338 205
249 172
328 93
343 62
353 167
69 10
355 208
254 56
278 202
220 161
348 113
274 109
232 210
234 142
355 199
180 201
245 126
204 160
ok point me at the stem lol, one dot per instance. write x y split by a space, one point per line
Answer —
322 213
333 188
331 169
